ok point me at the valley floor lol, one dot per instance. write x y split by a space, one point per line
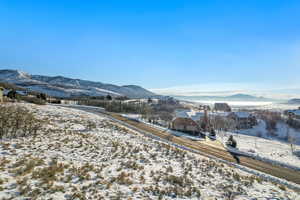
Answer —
85 156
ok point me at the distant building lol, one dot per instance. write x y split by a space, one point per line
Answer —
135 101
185 125
186 113
187 121
244 120
69 102
195 122
1 94
293 113
222 107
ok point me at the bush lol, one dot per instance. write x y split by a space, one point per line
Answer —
48 174
16 121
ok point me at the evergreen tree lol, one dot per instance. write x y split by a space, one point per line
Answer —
108 97
12 94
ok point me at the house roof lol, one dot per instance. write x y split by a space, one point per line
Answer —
185 121
221 114
242 114
296 112
198 115
191 114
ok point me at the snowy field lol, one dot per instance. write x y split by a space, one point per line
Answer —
257 141
84 156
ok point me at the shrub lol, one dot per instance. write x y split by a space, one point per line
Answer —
176 180
123 179
90 125
16 121
48 174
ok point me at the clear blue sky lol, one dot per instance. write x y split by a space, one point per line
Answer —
155 44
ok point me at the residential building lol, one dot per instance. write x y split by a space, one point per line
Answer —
185 125
187 121
69 102
244 120
293 113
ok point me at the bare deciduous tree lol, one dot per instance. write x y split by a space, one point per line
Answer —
291 139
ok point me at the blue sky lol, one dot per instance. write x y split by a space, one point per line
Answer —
222 45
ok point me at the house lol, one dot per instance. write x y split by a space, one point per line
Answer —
194 115
185 125
1 94
244 120
69 102
187 121
293 113
53 100
222 107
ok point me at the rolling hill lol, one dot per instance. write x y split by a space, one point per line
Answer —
235 97
60 86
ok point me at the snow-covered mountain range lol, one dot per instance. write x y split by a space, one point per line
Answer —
60 86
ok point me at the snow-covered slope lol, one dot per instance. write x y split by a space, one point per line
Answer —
78 155
65 87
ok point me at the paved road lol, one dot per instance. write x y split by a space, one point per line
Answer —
207 150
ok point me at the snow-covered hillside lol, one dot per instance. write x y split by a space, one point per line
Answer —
85 156
65 87
277 147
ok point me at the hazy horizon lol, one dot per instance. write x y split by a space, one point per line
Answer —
223 90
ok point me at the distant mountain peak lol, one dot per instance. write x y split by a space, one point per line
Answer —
235 97
294 101
240 95
14 73
132 86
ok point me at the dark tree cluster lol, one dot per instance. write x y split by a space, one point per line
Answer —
117 106
13 94
42 96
